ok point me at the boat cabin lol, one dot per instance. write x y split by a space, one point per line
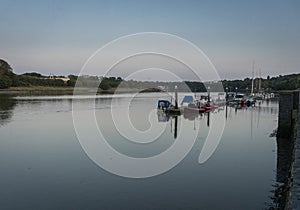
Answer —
163 104
187 100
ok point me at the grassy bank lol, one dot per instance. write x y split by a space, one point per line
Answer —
40 90
37 88
47 89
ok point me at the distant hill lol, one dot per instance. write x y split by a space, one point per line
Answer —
269 84
32 79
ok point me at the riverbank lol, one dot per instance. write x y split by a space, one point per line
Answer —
38 90
69 90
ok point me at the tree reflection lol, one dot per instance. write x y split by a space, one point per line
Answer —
7 104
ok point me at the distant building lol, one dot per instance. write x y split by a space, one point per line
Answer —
65 79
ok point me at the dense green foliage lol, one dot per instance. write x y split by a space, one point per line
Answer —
5 68
34 74
23 80
105 83
8 79
287 82
5 82
6 75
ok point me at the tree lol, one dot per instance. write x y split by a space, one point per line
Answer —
71 83
6 74
33 74
73 77
5 68
5 82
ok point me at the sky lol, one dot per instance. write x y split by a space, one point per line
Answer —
53 36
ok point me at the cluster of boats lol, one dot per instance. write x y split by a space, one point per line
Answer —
205 103
190 104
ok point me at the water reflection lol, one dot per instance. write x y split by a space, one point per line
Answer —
175 126
254 118
208 119
7 104
163 117
283 172
190 116
238 176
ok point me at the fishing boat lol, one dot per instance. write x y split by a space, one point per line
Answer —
168 107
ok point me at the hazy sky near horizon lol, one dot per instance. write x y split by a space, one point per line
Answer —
53 36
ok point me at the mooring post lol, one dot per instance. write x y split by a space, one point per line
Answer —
285 118
208 94
176 98
175 129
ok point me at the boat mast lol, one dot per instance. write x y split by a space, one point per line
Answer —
176 97
259 82
252 78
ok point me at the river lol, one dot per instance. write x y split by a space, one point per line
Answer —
44 165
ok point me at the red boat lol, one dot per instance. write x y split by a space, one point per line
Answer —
208 106
192 108
199 107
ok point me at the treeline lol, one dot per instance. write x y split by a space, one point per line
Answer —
106 83
270 84
109 83
10 79
286 82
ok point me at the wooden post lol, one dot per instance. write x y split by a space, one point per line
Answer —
176 98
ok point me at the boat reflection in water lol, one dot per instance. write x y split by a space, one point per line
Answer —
190 115
164 117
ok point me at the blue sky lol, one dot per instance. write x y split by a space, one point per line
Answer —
57 37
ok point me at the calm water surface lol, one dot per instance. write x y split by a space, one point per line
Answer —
43 165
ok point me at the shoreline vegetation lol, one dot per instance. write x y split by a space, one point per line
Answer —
34 82
49 89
